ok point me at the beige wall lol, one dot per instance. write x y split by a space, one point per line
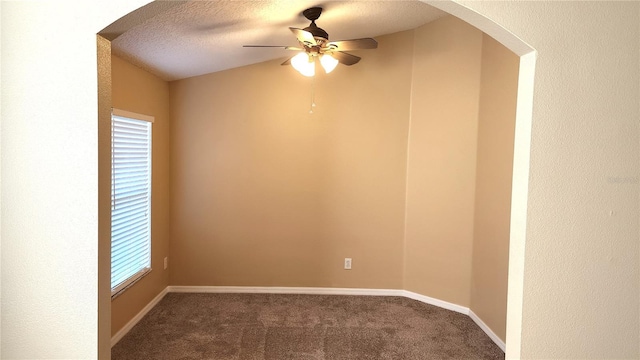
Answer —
496 126
460 168
264 193
138 91
442 160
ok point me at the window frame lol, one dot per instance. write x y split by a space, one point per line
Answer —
134 278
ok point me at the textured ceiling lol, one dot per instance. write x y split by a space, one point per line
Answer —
180 39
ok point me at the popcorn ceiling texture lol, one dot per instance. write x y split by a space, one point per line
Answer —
200 37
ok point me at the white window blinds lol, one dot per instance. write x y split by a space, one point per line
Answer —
130 198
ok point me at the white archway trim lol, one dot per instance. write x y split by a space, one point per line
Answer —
519 200
488 26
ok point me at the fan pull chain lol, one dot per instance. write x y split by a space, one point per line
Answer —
313 95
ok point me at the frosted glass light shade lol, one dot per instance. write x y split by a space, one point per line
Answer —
304 64
328 63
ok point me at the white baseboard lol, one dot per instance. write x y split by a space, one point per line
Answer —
125 329
284 290
308 291
436 302
487 330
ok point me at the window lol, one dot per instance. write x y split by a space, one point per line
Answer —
130 198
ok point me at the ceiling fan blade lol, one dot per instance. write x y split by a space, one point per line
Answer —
355 44
288 61
274 46
344 58
304 36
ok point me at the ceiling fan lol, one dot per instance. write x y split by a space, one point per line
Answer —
314 44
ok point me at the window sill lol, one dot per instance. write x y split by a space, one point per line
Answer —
135 279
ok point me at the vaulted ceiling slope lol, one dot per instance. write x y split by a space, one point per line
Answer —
181 39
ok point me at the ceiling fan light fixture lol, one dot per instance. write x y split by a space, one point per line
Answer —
304 64
328 62
315 45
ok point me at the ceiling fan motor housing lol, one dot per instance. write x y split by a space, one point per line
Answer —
313 14
317 32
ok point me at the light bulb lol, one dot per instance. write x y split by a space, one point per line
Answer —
304 64
328 63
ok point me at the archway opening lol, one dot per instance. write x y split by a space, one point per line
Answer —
521 155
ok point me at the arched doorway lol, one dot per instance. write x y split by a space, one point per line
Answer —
520 184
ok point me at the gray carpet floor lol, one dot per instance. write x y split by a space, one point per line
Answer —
268 326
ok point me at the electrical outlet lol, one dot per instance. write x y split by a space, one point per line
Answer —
166 262
347 263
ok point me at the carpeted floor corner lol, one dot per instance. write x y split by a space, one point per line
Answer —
270 327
